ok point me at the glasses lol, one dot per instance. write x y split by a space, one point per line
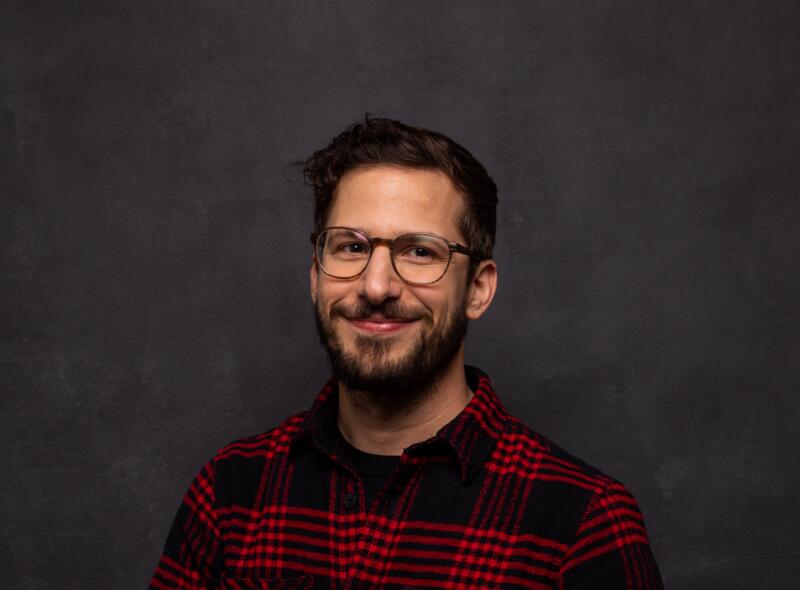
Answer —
418 259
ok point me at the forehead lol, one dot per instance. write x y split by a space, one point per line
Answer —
390 200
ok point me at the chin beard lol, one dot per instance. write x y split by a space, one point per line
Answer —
397 384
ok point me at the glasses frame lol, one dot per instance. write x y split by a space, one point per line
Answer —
390 243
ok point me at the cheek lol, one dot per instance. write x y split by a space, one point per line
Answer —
452 305
440 308
330 293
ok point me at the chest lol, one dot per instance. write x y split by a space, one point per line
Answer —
425 528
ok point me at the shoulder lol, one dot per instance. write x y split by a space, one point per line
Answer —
234 474
265 445
592 517
246 458
563 491
532 455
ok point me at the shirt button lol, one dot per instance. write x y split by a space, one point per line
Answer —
350 501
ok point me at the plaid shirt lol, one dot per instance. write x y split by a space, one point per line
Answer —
486 503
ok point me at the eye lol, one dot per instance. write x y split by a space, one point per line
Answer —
352 248
422 249
418 252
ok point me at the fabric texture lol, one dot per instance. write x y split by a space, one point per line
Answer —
486 503
373 470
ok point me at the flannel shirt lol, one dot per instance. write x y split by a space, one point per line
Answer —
485 503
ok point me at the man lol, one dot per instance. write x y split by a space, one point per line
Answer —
407 472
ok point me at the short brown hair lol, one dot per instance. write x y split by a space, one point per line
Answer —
377 140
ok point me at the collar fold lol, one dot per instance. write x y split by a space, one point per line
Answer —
469 438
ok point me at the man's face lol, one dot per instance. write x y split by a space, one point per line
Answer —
385 336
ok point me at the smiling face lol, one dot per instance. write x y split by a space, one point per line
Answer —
385 336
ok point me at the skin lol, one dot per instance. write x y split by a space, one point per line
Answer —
387 201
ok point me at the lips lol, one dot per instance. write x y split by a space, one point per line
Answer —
389 317
380 325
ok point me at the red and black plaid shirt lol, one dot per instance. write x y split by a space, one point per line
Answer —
486 503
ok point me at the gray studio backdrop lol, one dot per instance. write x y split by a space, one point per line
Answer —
155 253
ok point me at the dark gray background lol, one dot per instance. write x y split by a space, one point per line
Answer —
154 252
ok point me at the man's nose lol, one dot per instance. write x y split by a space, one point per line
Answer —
379 281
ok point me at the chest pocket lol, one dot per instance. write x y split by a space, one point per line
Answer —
295 583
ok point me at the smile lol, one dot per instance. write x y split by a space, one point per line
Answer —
380 325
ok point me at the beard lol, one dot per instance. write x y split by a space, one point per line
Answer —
370 372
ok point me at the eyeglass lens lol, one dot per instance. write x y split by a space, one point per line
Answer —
417 258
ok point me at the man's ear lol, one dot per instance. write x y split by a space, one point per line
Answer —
481 289
314 279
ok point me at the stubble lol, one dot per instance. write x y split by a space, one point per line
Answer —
391 385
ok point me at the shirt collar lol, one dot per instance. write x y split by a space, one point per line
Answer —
470 437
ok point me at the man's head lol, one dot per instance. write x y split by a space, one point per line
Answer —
386 335
384 141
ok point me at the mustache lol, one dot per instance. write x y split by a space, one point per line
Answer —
364 310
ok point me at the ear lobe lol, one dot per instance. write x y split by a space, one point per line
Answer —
482 289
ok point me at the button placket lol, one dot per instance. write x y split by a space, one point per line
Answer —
387 504
350 495
350 501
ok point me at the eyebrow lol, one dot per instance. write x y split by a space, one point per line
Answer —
394 234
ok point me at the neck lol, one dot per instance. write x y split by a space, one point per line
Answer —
376 428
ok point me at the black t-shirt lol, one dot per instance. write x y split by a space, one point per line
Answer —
374 470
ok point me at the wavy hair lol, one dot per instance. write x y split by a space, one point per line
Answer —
378 140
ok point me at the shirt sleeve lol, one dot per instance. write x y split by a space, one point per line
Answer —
611 549
192 558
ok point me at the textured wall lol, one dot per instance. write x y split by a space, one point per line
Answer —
154 252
